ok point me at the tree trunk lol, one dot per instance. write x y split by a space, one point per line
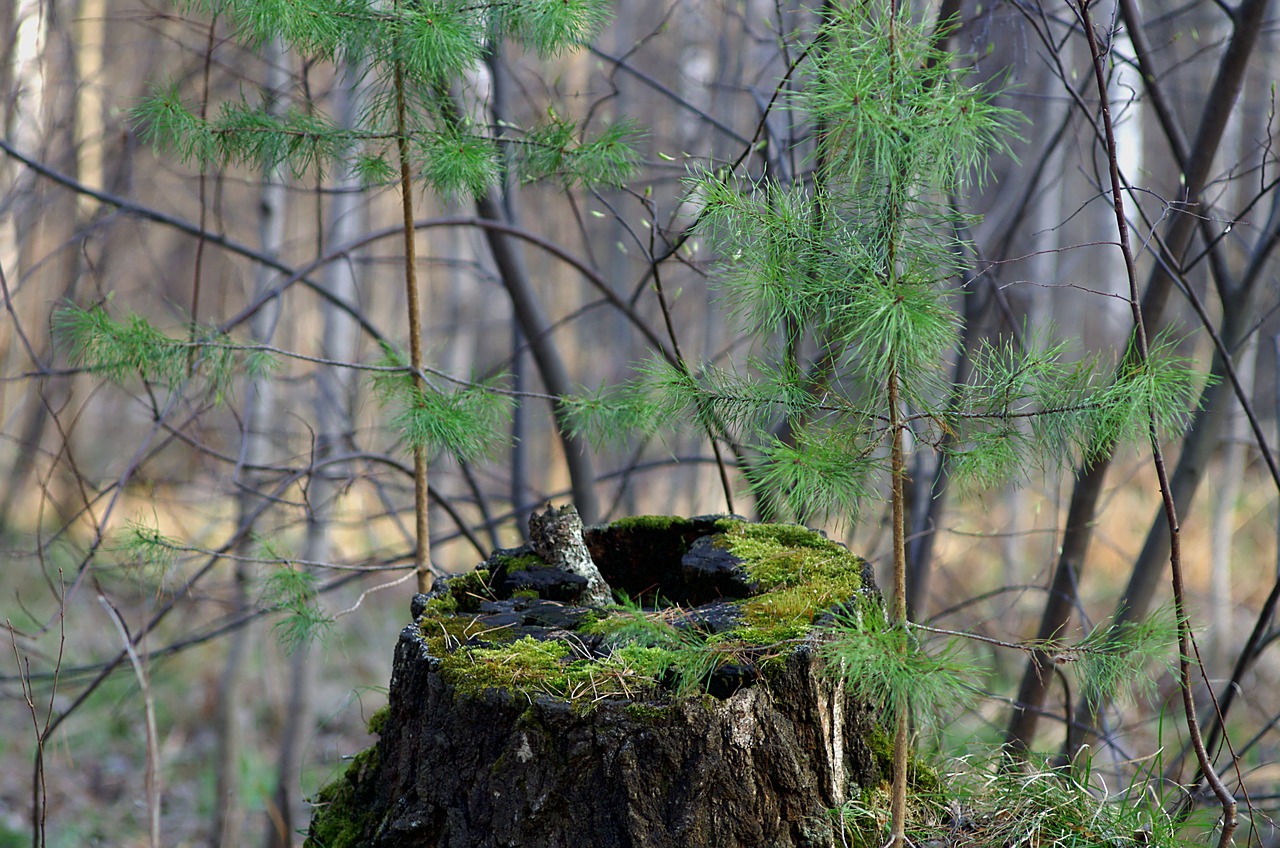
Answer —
751 770
228 817
46 259
532 319
758 756
1221 528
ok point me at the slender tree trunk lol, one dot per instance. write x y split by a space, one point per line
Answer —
413 298
901 742
509 259
521 506
229 723
9 72
47 259
255 450
1235 446
90 33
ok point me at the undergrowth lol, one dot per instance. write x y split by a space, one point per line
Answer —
992 806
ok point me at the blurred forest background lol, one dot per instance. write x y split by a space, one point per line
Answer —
134 676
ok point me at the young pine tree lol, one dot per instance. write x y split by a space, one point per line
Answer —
855 267
417 58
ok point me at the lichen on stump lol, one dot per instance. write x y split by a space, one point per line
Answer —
699 714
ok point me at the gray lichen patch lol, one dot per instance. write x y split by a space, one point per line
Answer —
557 538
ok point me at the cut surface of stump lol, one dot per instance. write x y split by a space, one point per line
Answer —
525 712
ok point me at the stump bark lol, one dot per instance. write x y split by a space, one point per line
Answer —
531 721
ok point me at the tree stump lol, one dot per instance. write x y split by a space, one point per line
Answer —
703 716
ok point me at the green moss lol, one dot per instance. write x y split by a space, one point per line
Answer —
801 575
921 777
526 594
512 564
647 661
778 555
466 591
787 535
788 612
443 605
605 624
544 668
444 634
525 664
652 522
342 807
592 617
378 721
771 633
648 712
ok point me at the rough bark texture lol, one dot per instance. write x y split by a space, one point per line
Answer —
556 535
758 768
466 767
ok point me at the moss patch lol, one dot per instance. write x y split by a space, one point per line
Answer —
657 523
512 564
781 555
525 664
921 777
443 605
799 575
445 634
342 807
648 712
534 667
465 593
378 721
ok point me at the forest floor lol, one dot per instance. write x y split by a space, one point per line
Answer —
95 764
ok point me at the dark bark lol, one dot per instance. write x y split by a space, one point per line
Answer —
757 761
1058 608
759 768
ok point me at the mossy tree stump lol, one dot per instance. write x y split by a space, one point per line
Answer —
518 718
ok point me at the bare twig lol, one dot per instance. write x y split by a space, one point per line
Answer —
197 265
683 364
1175 552
367 592
152 778
39 784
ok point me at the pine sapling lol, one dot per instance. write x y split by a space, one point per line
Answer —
855 268
416 57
